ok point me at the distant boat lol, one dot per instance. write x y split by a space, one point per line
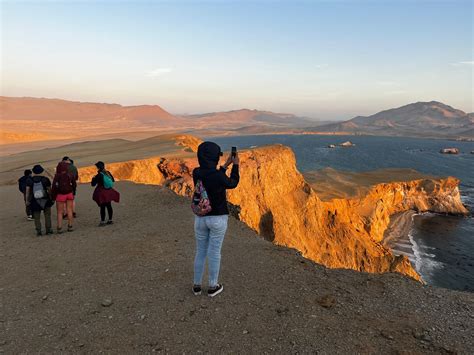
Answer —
347 144
331 146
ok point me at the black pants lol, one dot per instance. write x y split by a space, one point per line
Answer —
47 219
28 210
110 211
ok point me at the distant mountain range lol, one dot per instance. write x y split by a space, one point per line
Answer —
249 118
420 119
39 119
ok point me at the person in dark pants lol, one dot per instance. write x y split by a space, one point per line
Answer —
38 197
104 193
22 187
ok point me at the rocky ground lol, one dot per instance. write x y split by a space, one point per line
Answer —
126 288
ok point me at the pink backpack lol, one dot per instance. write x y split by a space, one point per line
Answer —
200 203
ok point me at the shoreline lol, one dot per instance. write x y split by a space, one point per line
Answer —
398 238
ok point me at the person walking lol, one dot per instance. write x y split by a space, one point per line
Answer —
104 193
64 186
22 187
210 228
73 170
38 198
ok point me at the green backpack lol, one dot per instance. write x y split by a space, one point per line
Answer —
108 182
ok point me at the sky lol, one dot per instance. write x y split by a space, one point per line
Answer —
320 59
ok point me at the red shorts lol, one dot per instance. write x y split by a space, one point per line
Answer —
64 197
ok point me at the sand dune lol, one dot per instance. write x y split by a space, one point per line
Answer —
87 153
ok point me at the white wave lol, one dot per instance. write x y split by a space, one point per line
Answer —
425 264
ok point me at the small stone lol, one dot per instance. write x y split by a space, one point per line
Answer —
142 317
107 302
45 297
386 335
245 332
327 301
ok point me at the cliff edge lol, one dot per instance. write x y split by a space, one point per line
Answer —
274 200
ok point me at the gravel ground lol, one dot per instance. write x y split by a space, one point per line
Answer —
126 288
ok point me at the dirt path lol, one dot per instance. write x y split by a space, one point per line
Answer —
52 290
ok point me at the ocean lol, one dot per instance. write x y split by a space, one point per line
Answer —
441 248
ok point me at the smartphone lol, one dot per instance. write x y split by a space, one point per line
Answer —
234 152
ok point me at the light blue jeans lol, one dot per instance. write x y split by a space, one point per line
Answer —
209 232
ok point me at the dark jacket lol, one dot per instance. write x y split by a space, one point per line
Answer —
22 183
216 182
98 180
73 171
46 185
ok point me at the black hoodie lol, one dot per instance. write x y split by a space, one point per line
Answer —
215 181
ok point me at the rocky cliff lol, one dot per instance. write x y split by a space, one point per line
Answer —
274 199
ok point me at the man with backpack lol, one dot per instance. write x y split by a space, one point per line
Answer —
38 198
22 187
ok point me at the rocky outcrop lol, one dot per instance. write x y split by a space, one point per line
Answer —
449 151
274 200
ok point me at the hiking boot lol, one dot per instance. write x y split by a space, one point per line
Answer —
70 228
59 231
74 214
197 290
102 224
30 218
110 222
39 234
49 231
215 290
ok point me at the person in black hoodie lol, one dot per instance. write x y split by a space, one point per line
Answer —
210 229
22 187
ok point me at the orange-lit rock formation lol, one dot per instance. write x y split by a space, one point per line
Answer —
274 199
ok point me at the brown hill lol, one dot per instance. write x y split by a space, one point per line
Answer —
63 119
245 117
421 119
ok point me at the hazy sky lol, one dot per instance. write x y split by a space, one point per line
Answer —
325 59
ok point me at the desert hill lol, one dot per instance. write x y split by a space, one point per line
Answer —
126 288
89 152
245 117
421 119
26 119
62 119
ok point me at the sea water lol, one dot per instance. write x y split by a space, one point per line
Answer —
441 248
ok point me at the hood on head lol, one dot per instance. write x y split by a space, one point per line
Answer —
208 155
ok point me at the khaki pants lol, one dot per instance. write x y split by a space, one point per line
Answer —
47 219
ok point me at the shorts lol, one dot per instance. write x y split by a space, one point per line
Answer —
65 197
